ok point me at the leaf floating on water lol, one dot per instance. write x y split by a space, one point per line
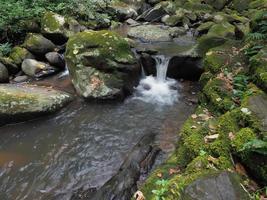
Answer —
139 195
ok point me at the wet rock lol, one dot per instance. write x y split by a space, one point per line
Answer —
18 54
55 59
123 184
155 33
4 78
21 79
132 22
22 102
59 28
221 186
153 15
37 69
101 65
38 44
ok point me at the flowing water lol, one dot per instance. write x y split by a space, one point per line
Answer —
85 143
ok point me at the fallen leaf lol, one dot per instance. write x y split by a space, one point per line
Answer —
139 195
173 171
159 175
210 138
193 127
194 116
240 169
231 136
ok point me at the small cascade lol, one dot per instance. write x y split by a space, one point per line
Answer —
159 90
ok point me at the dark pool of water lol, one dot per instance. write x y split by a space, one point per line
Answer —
83 144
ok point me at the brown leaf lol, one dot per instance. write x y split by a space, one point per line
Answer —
173 171
139 196
194 116
159 175
210 138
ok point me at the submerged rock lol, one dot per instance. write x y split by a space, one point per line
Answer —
22 102
155 33
38 44
222 186
101 65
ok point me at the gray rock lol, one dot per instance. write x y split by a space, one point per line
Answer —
132 22
123 10
154 14
55 59
102 67
38 44
36 69
222 186
155 33
3 74
22 102
20 79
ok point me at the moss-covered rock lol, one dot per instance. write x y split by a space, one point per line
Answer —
18 54
58 28
101 65
225 30
22 102
38 44
4 78
259 68
10 65
217 4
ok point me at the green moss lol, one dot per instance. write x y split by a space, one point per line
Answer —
52 22
225 30
18 54
242 137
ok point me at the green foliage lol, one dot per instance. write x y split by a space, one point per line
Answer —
5 49
162 184
14 14
253 50
256 145
240 83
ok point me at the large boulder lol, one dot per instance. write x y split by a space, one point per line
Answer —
59 28
55 59
155 33
101 65
37 69
22 102
123 10
221 186
38 44
154 14
3 74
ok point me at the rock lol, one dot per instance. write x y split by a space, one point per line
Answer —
20 79
18 54
38 44
242 29
155 33
153 15
225 30
101 65
241 5
55 59
153 1
221 186
4 78
37 69
123 10
217 4
204 27
132 22
10 65
59 28
23 102
259 68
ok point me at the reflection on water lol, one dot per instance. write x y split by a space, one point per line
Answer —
84 144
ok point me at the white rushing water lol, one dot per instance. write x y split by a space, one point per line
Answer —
160 89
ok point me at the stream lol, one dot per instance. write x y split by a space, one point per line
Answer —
84 144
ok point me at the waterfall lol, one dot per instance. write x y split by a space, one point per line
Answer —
162 63
159 90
